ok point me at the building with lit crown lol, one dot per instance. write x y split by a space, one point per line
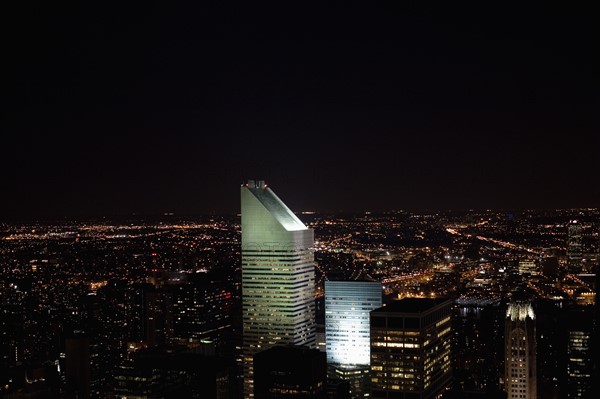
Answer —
278 277
411 349
520 376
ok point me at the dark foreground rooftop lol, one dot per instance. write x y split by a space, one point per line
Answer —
411 305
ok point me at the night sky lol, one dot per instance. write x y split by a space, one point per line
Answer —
155 107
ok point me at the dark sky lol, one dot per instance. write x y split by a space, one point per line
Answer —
151 107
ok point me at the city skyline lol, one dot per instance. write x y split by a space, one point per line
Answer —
146 108
187 305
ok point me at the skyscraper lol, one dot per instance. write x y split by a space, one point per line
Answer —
579 360
347 307
574 247
410 349
202 309
78 363
278 277
520 375
159 315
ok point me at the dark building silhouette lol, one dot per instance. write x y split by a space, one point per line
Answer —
550 266
411 349
290 372
172 372
578 323
551 348
12 344
77 365
134 304
202 309
12 340
32 380
158 310
565 356
478 346
338 389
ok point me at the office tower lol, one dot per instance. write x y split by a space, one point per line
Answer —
12 336
478 345
158 310
202 308
574 247
550 347
347 308
520 376
78 364
134 307
278 283
410 349
290 372
579 360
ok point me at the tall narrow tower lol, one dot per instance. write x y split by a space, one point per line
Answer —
278 276
520 351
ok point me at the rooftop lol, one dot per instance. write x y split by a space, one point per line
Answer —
275 206
411 305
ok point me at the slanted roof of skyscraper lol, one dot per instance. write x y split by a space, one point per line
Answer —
275 206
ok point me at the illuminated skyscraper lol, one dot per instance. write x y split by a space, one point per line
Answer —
410 349
574 247
278 277
520 376
347 307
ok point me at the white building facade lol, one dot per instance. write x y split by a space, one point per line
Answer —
278 277
347 331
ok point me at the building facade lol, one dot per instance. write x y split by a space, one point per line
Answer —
202 310
347 331
579 323
520 376
278 277
574 247
411 349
